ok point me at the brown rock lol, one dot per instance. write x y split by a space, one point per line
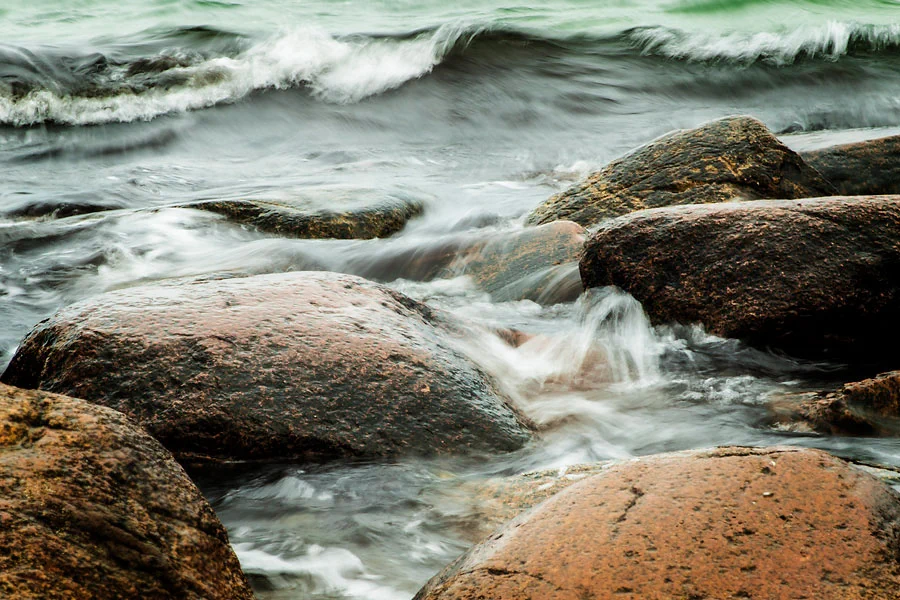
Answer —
306 365
869 407
93 507
537 263
733 158
351 214
727 523
816 278
865 168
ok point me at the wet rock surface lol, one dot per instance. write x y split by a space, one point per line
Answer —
352 214
864 168
732 158
93 507
296 365
726 523
815 278
868 407
537 263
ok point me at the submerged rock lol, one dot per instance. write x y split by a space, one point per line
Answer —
537 263
726 523
295 365
815 278
329 213
865 168
730 159
93 507
869 407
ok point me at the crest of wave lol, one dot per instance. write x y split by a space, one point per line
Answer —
336 70
829 41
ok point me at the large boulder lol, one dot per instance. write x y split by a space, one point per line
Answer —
727 523
93 507
733 158
868 407
322 213
865 168
816 278
295 365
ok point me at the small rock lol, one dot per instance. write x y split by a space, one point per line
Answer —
325 213
865 168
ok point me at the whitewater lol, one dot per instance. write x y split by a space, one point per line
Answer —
113 114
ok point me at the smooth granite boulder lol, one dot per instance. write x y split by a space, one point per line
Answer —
303 365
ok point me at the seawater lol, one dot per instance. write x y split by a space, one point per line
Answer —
113 112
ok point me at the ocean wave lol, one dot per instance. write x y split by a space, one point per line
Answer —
335 70
830 41
38 88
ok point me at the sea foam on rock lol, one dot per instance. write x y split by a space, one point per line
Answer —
725 523
732 158
93 507
297 365
815 278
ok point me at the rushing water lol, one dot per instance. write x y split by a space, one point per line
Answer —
112 112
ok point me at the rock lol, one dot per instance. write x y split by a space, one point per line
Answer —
295 365
537 263
733 158
351 213
93 507
726 523
869 407
815 278
865 168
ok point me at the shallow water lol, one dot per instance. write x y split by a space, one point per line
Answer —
111 113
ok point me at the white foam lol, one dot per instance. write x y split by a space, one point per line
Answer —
829 41
336 70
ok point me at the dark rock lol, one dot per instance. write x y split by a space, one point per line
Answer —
815 278
350 214
869 407
726 523
731 159
864 168
93 507
294 365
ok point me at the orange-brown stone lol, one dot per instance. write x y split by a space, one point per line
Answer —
93 507
726 523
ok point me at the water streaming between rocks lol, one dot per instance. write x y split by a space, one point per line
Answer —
481 111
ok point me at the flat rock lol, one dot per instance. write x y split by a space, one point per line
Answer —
308 365
93 507
735 158
726 523
815 278
868 407
864 168
323 213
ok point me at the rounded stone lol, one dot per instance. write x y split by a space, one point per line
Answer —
307 365
727 523
732 158
93 507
